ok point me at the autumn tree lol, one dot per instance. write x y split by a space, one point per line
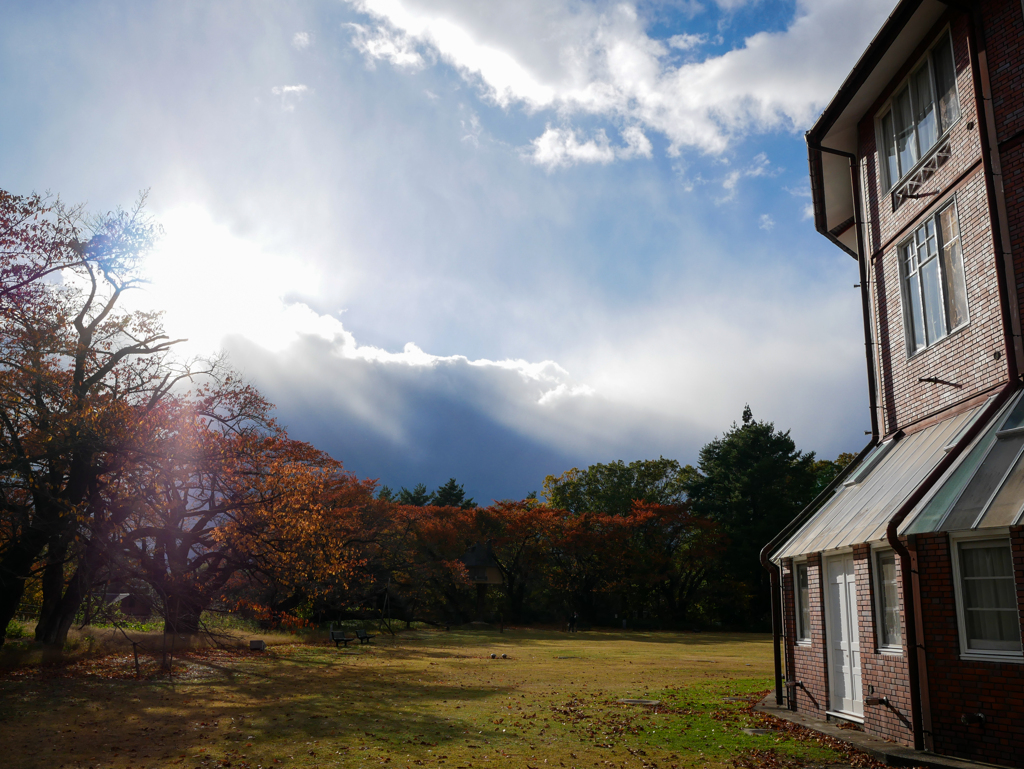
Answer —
74 370
582 549
668 557
420 555
313 537
519 534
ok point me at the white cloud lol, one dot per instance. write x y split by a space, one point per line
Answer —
807 211
290 95
191 266
389 45
759 166
732 5
301 40
562 147
472 129
687 42
766 222
637 144
599 60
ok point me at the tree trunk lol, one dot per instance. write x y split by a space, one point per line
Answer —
53 587
53 630
14 570
181 615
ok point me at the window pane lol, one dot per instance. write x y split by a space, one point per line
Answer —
1016 417
924 109
1006 507
967 509
931 517
945 82
889 149
933 305
916 314
803 609
889 621
989 596
906 143
953 268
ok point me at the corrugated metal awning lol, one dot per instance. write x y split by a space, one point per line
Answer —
859 512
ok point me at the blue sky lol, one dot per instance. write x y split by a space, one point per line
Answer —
483 240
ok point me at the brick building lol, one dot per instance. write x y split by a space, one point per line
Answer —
899 592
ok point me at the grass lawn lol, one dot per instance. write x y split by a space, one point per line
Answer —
422 698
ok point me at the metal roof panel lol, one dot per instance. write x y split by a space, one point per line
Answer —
861 513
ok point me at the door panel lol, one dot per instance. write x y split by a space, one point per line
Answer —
843 637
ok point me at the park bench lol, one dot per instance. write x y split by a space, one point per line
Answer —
339 637
363 637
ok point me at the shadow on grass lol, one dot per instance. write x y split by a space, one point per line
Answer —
279 706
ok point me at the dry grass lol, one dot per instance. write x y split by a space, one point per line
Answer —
424 698
91 642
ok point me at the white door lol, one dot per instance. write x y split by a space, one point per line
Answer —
843 637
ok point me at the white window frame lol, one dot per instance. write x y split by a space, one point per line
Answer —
955 540
801 640
883 162
879 591
907 307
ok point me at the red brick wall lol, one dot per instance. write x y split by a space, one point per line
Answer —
884 224
966 686
883 674
1004 38
807 663
966 357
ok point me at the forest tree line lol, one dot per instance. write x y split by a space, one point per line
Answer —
130 470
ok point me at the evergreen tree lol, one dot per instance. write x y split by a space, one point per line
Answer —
752 482
418 497
452 494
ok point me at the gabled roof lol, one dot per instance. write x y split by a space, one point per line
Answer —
836 128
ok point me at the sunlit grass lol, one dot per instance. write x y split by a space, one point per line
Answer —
424 698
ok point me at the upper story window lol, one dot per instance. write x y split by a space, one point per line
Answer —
934 287
922 110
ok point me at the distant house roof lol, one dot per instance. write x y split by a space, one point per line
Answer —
479 555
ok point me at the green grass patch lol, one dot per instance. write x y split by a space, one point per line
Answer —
423 698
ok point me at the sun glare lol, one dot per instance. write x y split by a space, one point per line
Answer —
213 284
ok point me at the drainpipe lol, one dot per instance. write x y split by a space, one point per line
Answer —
917 661
774 571
917 655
